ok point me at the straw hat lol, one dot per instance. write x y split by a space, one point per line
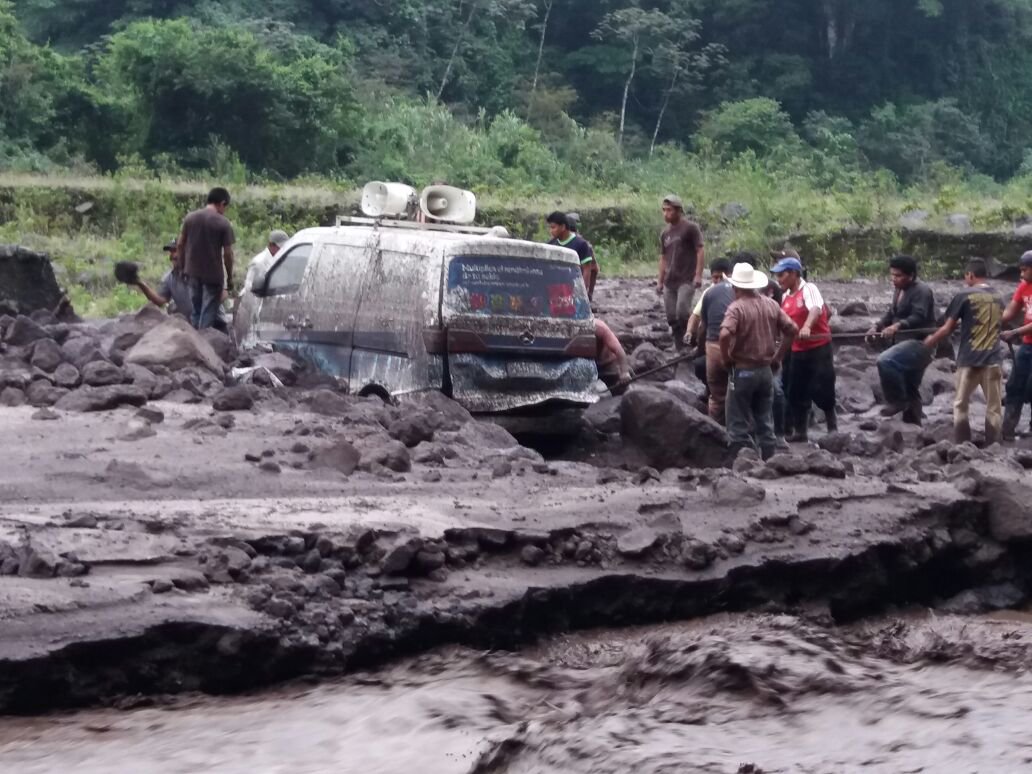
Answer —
747 278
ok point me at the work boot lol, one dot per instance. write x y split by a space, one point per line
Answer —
1011 417
798 436
891 409
992 435
962 432
832 419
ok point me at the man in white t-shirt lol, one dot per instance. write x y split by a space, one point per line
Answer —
262 261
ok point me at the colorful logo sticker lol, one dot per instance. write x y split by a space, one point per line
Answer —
561 300
477 301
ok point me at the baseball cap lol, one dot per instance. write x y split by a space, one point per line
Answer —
573 218
1026 259
787 252
674 201
278 237
170 246
787 264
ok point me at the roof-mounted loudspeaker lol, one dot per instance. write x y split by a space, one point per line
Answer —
388 200
443 202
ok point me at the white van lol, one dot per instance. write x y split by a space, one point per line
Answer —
501 325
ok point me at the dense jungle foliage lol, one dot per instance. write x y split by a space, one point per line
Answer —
528 95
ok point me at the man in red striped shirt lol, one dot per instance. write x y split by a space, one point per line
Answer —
810 370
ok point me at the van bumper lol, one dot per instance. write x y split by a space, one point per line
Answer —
492 384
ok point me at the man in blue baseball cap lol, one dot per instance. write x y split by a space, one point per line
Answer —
810 369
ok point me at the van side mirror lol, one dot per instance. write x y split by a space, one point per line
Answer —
259 282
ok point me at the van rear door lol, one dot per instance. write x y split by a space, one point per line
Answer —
519 331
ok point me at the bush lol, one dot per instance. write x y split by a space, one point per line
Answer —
758 125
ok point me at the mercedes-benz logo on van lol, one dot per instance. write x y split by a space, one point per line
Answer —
526 338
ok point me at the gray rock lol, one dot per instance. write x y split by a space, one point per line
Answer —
82 349
151 415
12 396
23 331
959 222
486 435
311 562
43 393
1010 517
400 558
392 455
412 429
1024 231
984 599
157 386
822 463
102 374
670 433
604 416
237 398
175 345
66 375
328 403
102 398
46 355
340 456
279 365
270 466
221 343
734 211
46 415
788 464
731 490
532 556
37 564
14 373
639 541
914 219
137 430
698 555
429 561
647 356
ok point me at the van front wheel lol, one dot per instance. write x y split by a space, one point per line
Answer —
377 391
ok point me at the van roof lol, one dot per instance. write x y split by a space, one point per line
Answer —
422 241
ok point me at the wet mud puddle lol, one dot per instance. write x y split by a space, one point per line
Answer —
743 693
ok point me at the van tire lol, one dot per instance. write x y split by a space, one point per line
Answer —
376 391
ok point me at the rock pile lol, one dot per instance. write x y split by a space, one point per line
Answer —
83 367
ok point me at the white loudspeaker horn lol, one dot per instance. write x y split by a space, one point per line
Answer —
443 202
387 199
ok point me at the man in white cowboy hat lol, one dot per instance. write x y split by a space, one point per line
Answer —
755 335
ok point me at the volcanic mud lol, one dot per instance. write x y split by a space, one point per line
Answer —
229 535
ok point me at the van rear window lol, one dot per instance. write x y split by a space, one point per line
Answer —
517 287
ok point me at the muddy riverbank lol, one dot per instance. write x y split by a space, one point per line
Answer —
225 540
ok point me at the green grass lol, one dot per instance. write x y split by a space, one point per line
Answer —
131 218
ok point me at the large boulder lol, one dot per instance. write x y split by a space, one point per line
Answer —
1010 517
82 349
102 398
669 432
27 281
23 331
175 345
221 343
46 355
101 374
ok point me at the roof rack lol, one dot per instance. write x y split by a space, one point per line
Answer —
349 220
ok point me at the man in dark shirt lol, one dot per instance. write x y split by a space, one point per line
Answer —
754 338
590 270
559 228
979 312
680 266
901 367
206 241
709 314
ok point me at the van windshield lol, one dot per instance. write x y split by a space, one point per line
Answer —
517 287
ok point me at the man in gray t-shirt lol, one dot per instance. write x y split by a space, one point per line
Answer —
174 291
978 310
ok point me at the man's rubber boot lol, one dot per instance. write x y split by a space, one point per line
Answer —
832 419
1011 417
914 412
800 427
992 436
962 432
891 409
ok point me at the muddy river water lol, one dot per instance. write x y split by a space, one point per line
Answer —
727 694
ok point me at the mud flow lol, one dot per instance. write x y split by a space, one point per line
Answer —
221 561
731 694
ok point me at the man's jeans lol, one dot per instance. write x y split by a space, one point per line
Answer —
750 409
206 299
901 368
678 303
1019 384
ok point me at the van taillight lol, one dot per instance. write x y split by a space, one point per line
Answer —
465 341
582 346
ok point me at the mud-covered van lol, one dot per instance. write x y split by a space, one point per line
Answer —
501 325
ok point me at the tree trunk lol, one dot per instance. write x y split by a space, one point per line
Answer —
458 44
666 101
626 92
540 54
